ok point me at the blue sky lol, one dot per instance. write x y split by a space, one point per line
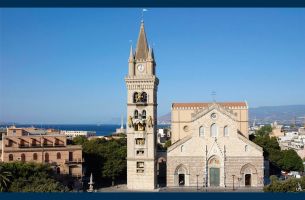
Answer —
68 65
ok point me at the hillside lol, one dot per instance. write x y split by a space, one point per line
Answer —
266 114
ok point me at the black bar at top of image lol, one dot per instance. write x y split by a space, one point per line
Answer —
152 3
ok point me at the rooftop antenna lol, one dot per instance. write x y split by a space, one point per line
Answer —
142 16
213 94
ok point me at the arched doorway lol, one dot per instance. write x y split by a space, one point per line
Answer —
214 171
248 175
247 180
181 179
58 170
181 176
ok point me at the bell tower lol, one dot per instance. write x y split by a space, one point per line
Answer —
142 86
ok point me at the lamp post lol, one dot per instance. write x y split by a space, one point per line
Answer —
197 181
233 181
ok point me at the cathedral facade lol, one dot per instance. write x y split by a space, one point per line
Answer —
211 147
210 144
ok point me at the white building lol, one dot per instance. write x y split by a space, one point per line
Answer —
73 134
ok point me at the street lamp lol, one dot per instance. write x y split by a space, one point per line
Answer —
233 181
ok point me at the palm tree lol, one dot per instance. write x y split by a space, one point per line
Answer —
4 179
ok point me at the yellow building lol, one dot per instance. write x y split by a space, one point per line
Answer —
42 146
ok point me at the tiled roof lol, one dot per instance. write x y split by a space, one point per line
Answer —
205 104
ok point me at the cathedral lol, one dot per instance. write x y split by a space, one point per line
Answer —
210 142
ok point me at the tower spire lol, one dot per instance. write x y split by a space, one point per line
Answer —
131 56
142 47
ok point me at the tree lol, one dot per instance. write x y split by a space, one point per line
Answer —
167 144
79 140
31 177
263 131
291 161
106 159
115 162
4 179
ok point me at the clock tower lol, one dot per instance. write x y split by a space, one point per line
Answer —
142 86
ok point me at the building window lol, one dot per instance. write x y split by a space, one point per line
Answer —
10 143
135 97
140 141
140 167
58 170
140 152
246 148
213 130
23 157
201 131
58 155
181 148
10 157
136 114
46 158
35 157
226 131
144 114
70 156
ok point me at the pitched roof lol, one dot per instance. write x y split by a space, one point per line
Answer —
142 47
206 104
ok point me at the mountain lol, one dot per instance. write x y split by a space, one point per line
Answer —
266 114
283 114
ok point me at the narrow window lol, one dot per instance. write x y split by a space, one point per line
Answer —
213 130
23 157
10 157
226 131
58 155
46 158
246 148
136 114
144 97
181 148
135 97
35 156
201 131
144 114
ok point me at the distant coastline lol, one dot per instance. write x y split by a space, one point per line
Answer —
100 129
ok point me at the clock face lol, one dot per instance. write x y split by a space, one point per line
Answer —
140 67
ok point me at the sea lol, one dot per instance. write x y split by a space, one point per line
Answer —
100 129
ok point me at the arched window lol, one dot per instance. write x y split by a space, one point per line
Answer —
144 114
35 156
201 131
46 158
10 157
213 130
58 170
135 97
144 97
23 157
181 148
246 148
226 131
136 114
58 155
